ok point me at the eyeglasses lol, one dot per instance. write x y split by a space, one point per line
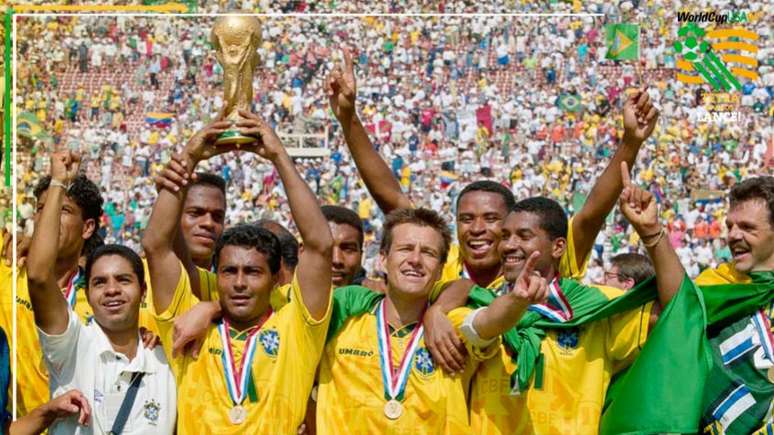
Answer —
618 276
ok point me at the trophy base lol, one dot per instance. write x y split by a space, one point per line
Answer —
234 137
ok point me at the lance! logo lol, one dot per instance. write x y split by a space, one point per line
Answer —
718 57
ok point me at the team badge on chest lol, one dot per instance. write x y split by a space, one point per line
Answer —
151 411
423 362
270 341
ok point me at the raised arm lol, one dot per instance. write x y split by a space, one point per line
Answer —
159 237
505 311
640 209
314 263
379 180
639 120
48 304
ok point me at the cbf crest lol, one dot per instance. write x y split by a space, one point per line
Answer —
423 362
270 341
151 411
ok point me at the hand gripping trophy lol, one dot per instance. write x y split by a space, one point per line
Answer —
236 40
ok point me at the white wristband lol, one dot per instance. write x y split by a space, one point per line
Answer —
59 184
471 335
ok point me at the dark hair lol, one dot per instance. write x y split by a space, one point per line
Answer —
250 236
488 186
344 216
83 191
210 179
91 244
553 219
288 242
121 251
417 216
755 188
635 266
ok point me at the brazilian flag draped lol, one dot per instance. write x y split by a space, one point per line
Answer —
672 373
570 103
28 125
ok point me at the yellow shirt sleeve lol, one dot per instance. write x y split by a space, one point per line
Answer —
568 265
182 301
626 335
208 284
456 317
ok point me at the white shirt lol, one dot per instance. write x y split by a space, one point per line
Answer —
82 358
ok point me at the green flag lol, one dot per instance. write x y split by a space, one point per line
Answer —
672 371
28 125
623 41
570 103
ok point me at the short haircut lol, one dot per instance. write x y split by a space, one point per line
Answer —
210 179
488 186
417 216
121 251
83 192
250 236
553 219
635 266
91 244
288 242
755 188
344 216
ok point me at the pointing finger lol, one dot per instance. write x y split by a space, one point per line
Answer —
626 179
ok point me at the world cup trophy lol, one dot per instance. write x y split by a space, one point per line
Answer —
236 40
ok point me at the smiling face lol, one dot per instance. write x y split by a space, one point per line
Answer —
480 216
202 219
521 236
245 282
413 260
751 236
114 293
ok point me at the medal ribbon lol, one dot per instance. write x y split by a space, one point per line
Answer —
237 378
557 308
70 290
394 386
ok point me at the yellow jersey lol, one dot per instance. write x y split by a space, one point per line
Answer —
351 394
578 365
453 268
208 289
31 373
726 273
290 344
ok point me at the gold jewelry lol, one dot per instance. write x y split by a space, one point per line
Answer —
658 236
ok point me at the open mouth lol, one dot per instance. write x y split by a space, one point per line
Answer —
479 247
412 274
740 252
113 305
513 259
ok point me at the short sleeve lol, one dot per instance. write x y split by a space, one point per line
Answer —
568 265
626 335
182 301
457 316
60 350
348 302
208 285
306 335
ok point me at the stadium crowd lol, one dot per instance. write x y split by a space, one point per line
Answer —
530 102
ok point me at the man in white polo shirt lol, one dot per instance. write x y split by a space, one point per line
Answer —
129 388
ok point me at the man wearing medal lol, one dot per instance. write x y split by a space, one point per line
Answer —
79 221
256 367
376 375
482 206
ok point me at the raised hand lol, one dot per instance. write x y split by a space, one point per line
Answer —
64 166
639 116
268 145
174 176
638 206
341 88
202 146
530 287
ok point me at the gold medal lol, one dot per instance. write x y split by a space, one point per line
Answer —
237 414
771 374
393 409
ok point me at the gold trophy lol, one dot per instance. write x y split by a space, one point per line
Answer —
236 40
